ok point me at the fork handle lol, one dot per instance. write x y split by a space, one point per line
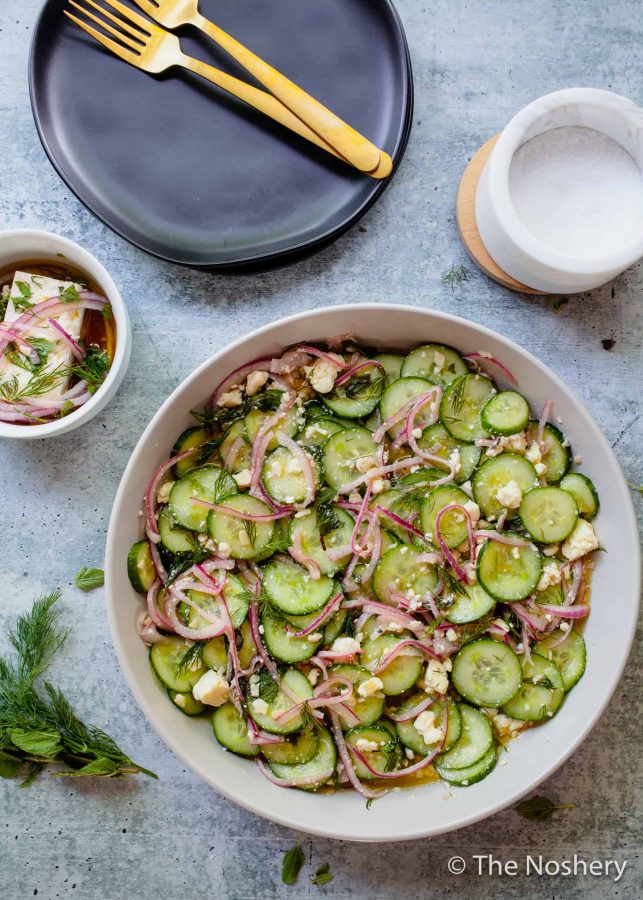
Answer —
348 142
268 105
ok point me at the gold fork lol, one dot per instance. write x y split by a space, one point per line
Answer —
349 143
144 45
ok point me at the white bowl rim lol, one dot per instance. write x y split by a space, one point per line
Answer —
112 563
121 355
499 164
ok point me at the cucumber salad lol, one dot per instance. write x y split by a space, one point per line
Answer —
367 569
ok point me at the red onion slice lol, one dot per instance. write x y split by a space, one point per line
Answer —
306 464
477 357
344 755
410 770
388 658
237 513
73 345
150 493
365 364
413 712
324 615
379 472
237 375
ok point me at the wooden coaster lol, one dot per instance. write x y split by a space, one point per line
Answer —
466 213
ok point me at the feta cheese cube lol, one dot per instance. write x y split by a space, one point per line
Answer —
260 707
582 540
255 381
366 746
345 646
426 727
509 495
243 478
436 677
231 398
322 377
212 689
550 575
370 687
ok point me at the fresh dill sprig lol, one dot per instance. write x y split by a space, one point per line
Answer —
457 394
93 369
452 583
193 654
40 383
364 388
268 400
250 529
224 487
456 276
181 562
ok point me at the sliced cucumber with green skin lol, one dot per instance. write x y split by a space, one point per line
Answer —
556 457
411 737
317 432
306 530
301 748
281 482
279 702
280 643
486 672
461 407
357 397
235 595
388 542
247 650
367 709
401 501
215 655
505 413
398 394
438 441
165 659
400 572
289 424
471 605
435 362
549 514
290 588
471 774
569 657
453 524
384 760
342 452
317 771
541 693
401 673
191 437
140 567
475 741
247 540
242 457
231 731
584 493
509 573
392 365
495 474
208 483
334 626
173 537
186 703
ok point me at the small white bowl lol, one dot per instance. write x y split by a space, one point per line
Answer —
422 811
20 246
510 243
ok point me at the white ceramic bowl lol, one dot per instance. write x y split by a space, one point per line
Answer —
521 254
420 812
20 246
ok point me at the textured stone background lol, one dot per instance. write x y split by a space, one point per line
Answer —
476 63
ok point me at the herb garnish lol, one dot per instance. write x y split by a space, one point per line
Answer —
322 875
556 303
181 562
268 400
93 369
539 808
456 276
250 529
89 579
193 654
291 866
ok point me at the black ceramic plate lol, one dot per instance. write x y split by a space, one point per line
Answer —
188 173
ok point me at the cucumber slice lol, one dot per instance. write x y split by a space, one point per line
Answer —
438 441
400 572
487 672
569 657
462 405
278 702
556 457
495 474
505 413
509 573
236 597
388 542
453 525
191 437
404 502
214 654
301 748
209 483
140 568
317 432
173 537
290 588
248 650
231 731
306 530
398 394
343 450
367 709
247 540
401 673
435 362
334 626
549 514
411 737
165 659
471 774
357 397
318 770
280 642
475 741
541 693
283 476
384 760
242 457
288 423
470 606
186 703
584 493
392 365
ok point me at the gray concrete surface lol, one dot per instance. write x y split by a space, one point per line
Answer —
476 63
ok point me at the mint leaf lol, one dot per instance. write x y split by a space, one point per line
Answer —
293 861
88 579
539 808
322 875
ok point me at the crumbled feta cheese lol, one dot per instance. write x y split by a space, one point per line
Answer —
314 637
540 468
436 678
316 430
550 575
345 646
294 466
425 726
515 442
243 537
409 753
322 377
230 398
303 513
509 495
533 453
515 552
276 469
255 382
564 626
260 706
163 493
578 460
313 676
243 478
212 689
254 685
439 360
504 724
467 488
452 635
290 499
455 461
180 701
379 484
365 463
582 540
355 497
473 509
417 433
224 550
551 551
394 627
365 746
370 686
